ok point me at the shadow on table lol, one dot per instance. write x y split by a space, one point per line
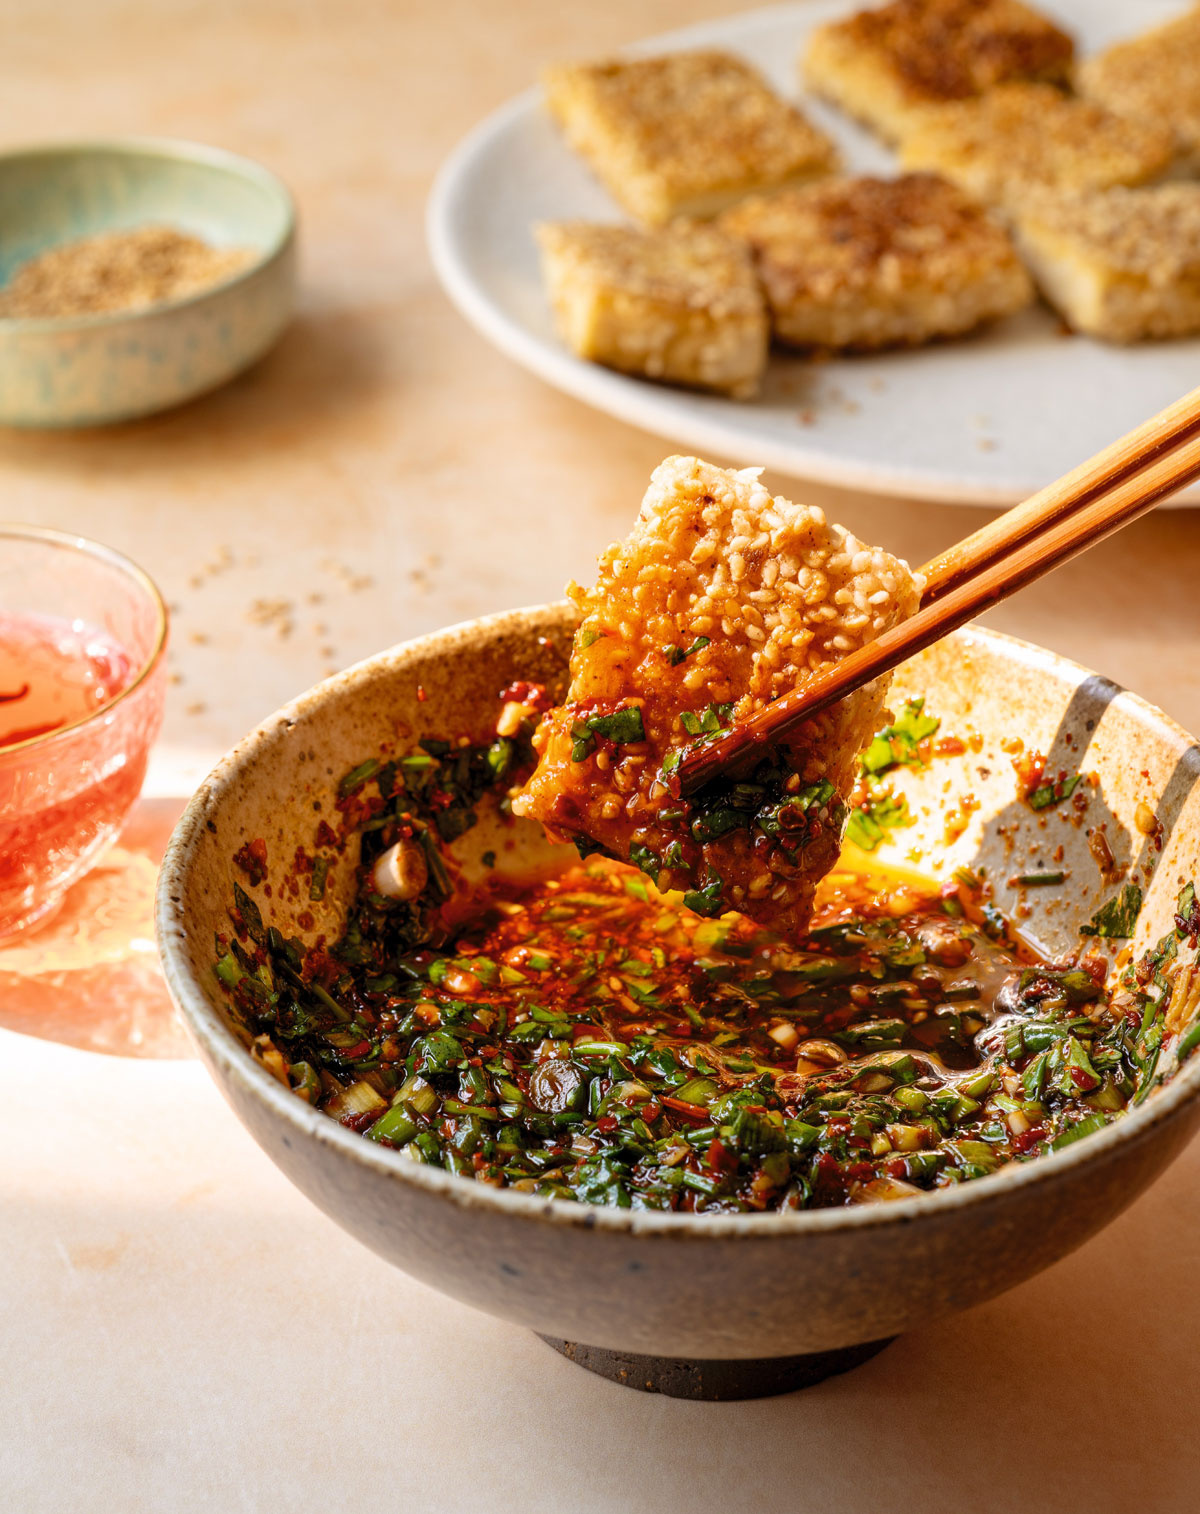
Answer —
1064 1395
89 976
323 375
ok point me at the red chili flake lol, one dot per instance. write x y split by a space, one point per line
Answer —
305 921
861 1172
359 1122
827 1175
949 746
478 1161
320 966
521 692
720 1158
326 835
896 1168
1096 969
1082 1079
651 1112
689 1111
1029 769
682 1030
1030 1138
606 1124
252 859
422 696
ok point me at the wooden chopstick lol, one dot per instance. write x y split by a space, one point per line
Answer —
1058 500
1073 515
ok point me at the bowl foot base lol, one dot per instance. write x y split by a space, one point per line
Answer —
714 1380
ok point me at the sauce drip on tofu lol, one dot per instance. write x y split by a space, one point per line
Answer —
721 598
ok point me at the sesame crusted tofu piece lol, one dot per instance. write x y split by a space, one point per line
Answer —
1155 77
684 134
864 263
1021 135
887 66
721 598
1121 265
680 303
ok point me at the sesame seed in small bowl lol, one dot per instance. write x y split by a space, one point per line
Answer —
135 274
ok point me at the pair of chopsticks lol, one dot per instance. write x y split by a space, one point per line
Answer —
1083 507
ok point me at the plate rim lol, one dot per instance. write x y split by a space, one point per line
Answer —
651 408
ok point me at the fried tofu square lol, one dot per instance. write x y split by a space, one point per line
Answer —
684 134
1021 135
1155 77
720 599
887 66
1121 265
680 303
856 264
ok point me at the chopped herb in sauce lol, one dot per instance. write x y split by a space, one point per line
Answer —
875 809
900 744
706 722
1047 794
675 654
589 1038
1118 917
620 727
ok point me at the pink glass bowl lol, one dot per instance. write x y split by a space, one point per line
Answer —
65 795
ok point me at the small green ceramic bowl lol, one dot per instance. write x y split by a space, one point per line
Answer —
94 369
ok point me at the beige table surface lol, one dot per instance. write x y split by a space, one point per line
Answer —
179 1330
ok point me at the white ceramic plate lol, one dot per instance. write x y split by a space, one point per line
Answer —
985 420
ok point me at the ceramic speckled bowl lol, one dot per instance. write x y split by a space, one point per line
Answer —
90 370
721 1305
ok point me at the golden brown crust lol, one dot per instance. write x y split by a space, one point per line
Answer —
953 49
1155 77
756 593
868 262
684 133
696 266
1123 264
680 303
1020 135
886 65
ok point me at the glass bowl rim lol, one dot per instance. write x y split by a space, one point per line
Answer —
73 542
